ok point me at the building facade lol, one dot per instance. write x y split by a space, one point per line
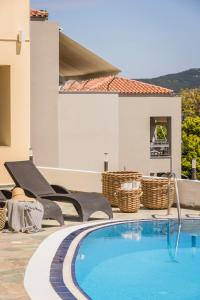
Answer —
14 82
44 91
54 55
75 128
91 124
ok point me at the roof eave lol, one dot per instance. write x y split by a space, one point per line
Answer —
147 95
78 62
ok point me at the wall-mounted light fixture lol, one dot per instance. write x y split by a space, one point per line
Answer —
105 162
31 154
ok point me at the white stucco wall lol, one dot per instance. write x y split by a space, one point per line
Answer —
134 133
44 92
91 124
88 127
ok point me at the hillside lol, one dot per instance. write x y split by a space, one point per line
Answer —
182 80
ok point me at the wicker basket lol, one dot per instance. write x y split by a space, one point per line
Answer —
111 183
158 193
3 212
129 201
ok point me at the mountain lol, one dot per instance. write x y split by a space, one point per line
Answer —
187 79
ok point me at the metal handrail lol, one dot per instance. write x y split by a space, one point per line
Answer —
173 254
173 175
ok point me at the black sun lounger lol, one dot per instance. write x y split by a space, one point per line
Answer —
51 210
27 176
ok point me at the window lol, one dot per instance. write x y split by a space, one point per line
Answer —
160 137
5 118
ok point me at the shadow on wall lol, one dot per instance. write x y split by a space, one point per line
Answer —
18 47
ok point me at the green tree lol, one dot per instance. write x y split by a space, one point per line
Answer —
190 103
161 132
190 144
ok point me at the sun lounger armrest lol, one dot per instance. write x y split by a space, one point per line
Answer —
60 189
29 193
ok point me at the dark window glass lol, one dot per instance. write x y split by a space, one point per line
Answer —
160 137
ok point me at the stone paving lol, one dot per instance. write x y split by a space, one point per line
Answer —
17 248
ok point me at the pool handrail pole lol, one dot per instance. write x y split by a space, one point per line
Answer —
173 175
170 176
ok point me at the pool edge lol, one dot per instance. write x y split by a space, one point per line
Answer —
37 281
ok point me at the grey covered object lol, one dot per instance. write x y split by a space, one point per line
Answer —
27 176
24 216
51 209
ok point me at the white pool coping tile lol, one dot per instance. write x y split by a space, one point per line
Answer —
37 275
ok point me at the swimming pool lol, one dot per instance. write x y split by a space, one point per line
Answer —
146 260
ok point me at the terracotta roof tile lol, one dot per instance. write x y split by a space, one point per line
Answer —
39 13
116 84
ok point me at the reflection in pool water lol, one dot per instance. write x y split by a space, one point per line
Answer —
150 260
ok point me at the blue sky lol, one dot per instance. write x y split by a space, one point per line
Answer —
144 38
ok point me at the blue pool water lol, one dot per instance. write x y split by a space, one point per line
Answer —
151 260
